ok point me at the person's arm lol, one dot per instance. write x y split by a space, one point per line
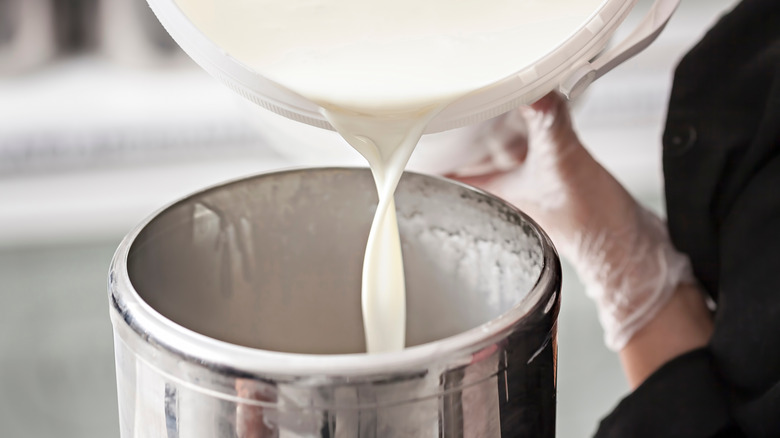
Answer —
641 284
682 325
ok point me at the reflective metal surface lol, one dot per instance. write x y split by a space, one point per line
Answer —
236 312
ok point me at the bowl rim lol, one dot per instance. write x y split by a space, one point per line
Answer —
526 85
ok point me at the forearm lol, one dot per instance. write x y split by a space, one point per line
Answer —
683 324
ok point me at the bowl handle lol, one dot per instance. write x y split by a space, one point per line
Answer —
646 32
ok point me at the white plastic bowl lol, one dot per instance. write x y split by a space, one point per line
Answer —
569 68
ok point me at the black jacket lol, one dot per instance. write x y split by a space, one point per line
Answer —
722 173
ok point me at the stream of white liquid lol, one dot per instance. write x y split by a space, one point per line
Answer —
381 70
387 145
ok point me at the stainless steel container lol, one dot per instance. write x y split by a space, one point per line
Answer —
236 312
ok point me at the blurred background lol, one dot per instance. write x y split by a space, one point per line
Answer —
103 120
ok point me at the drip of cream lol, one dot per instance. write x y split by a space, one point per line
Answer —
381 70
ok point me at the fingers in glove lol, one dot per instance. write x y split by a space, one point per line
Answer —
550 128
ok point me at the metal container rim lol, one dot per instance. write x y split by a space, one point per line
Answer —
129 309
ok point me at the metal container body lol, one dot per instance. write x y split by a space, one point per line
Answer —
236 313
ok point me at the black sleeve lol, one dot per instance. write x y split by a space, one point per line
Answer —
722 173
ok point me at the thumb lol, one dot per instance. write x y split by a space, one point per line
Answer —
550 125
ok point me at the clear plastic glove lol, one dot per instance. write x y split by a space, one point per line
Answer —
621 251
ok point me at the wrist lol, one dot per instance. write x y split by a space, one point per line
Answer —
683 324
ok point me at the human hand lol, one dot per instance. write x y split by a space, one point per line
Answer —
621 251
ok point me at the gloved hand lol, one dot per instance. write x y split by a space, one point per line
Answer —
621 251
